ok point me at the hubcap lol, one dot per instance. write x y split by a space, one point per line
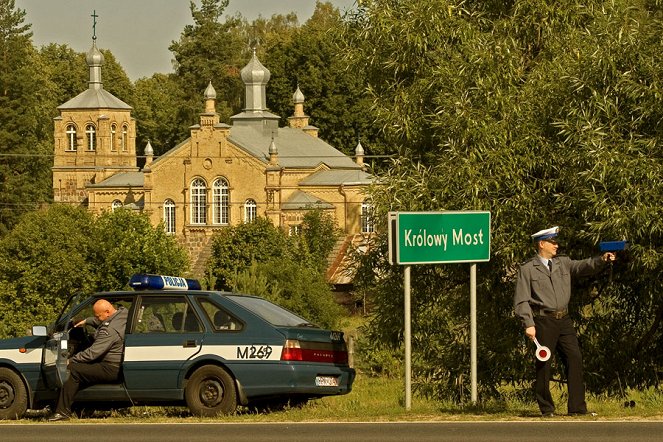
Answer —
211 392
6 395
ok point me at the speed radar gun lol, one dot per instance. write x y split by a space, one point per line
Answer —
542 352
618 247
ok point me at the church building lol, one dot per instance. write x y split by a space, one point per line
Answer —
222 175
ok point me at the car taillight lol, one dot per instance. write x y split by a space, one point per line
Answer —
305 351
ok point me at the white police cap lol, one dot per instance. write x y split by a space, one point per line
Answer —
545 234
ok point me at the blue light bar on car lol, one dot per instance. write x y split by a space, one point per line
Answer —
143 281
613 246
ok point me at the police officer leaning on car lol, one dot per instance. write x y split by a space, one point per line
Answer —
543 290
99 363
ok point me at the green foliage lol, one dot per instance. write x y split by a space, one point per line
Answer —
53 253
235 248
309 57
209 50
260 259
24 140
543 114
157 102
294 286
318 237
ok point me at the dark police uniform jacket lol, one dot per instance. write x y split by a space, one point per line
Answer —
108 344
536 288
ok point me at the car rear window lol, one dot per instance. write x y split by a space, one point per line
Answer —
270 312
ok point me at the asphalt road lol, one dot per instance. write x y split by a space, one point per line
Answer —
531 431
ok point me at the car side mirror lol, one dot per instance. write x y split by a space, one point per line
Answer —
39 330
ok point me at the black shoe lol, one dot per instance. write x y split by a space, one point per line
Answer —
58 417
549 414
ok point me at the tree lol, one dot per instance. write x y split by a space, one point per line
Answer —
542 114
294 286
55 252
236 248
208 51
158 102
24 140
310 58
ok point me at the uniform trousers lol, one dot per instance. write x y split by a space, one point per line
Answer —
560 336
82 375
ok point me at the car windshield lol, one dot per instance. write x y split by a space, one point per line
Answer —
270 312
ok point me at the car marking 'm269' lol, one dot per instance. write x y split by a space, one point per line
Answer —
254 352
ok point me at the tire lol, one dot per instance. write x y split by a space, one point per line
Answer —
13 395
210 392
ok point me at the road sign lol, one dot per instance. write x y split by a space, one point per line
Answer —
439 237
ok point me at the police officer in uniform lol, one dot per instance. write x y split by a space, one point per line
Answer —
99 363
543 290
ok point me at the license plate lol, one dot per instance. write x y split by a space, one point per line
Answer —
326 381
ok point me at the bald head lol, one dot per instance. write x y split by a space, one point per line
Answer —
103 309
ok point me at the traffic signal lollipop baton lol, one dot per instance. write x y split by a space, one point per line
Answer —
542 352
614 247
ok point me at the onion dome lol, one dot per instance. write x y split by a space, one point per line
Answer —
298 97
210 93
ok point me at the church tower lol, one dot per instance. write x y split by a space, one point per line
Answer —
95 137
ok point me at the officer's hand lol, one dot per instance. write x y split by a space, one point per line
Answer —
609 256
80 323
531 332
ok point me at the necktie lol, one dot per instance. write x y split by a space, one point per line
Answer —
550 265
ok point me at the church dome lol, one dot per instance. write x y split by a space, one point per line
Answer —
298 96
210 93
254 72
94 57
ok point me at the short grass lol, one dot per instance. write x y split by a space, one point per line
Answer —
382 399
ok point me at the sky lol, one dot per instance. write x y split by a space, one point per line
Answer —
138 32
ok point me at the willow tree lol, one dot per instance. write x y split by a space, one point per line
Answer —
543 114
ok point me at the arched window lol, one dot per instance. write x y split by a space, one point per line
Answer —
117 204
169 216
91 137
198 201
250 211
123 140
367 225
71 137
113 135
220 202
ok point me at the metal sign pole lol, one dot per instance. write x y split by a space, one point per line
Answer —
408 340
473 330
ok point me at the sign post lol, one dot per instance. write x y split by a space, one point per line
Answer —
439 238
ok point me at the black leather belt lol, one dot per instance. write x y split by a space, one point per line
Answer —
557 314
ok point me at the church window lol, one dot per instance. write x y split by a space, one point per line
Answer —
117 204
367 225
169 216
123 139
221 202
91 136
250 211
113 134
198 201
71 137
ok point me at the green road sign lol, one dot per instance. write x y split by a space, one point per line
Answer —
439 237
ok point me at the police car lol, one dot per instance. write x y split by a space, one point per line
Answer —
209 350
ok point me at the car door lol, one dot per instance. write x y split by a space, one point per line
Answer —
65 340
165 335
57 347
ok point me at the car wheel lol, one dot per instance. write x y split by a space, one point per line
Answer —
13 395
210 392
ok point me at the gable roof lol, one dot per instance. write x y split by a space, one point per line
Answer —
303 200
124 179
